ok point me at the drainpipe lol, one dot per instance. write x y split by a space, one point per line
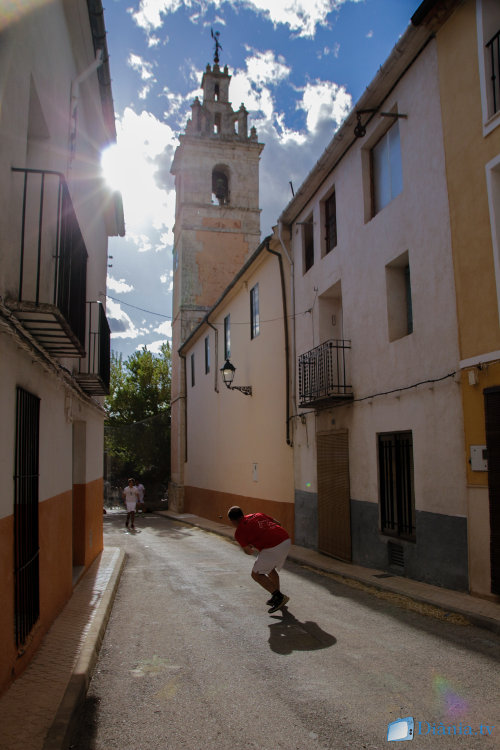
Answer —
75 92
292 300
287 351
216 383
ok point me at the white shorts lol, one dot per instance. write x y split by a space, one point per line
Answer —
272 557
130 507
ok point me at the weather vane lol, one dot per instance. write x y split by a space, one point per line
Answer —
218 46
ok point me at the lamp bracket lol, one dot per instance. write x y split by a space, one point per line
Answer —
246 389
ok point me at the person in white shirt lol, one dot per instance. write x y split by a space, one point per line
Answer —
130 495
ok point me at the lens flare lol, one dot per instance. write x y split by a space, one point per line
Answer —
454 704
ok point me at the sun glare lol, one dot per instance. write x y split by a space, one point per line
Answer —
132 174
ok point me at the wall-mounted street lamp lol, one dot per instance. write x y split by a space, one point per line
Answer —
228 371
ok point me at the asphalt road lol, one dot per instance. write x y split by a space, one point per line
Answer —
192 659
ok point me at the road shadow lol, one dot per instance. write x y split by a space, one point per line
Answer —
402 609
289 634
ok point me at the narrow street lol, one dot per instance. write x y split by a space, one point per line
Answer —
192 659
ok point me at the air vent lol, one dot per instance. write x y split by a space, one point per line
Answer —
396 554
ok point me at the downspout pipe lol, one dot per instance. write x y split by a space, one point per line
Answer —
292 300
287 348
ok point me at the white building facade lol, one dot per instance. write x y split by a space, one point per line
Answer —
378 432
56 117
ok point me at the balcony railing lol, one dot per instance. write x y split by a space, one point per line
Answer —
94 369
323 374
493 47
51 293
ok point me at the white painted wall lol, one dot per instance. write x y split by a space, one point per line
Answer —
417 222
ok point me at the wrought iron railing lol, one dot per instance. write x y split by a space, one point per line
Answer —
52 259
493 46
323 373
94 368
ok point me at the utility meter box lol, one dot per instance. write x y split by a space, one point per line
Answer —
478 458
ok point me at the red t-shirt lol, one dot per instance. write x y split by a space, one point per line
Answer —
260 531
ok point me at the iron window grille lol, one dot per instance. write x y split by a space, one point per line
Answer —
94 369
330 223
26 546
397 497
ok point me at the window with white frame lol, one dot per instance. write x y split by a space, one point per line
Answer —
493 185
399 303
386 169
254 312
227 337
488 37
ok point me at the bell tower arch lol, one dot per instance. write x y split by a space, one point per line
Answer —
217 225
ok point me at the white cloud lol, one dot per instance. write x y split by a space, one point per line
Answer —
145 70
155 346
301 16
120 323
165 329
324 100
119 285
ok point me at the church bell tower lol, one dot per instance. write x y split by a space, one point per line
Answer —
217 226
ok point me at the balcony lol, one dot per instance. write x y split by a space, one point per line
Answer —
51 289
323 379
94 369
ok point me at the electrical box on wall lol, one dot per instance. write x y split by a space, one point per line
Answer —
478 458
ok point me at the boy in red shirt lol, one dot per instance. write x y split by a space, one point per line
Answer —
263 533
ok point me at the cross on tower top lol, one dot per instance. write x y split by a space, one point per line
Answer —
215 36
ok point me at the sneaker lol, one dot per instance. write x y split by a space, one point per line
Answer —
279 603
271 601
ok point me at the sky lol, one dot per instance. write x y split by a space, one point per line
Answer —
299 66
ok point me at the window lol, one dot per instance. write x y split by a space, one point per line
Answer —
227 337
488 37
330 212
26 550
399 303
308 243
254 312
386 169
493 185
207 355
397 498
192 371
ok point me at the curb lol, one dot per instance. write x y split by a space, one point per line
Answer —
65 721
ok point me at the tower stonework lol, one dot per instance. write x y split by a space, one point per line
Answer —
217 226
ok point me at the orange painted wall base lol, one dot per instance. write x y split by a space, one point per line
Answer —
214 505
62 519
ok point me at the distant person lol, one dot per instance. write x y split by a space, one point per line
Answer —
269 538
140 496
130 495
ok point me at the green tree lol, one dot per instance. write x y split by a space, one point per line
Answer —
137 430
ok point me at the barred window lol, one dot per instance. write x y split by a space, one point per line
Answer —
397 497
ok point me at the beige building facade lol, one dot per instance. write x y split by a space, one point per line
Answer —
238 441
56 116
